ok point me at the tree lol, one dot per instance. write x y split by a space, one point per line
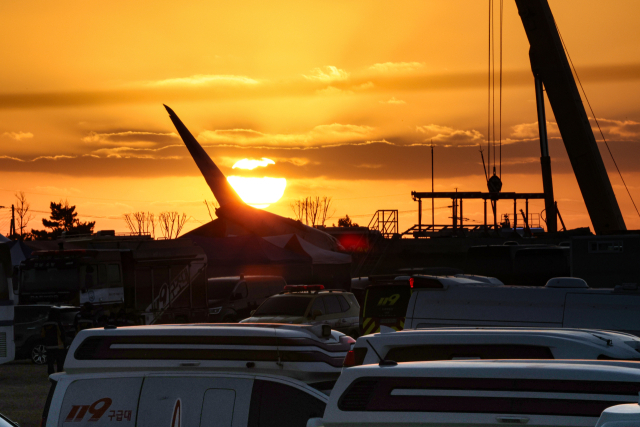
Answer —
313 211
23 216
346 222
141 223
63 218
171 224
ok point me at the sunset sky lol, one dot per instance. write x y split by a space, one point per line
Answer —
344 96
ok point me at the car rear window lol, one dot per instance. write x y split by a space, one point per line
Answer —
387 301
286 305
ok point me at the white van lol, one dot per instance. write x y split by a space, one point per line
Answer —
494 343
562 303
195 375
480 393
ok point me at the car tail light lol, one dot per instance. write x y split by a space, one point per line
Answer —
411 282
349 359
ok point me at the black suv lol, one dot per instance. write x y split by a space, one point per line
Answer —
28 321
231 299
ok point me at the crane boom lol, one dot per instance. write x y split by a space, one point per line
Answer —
549 63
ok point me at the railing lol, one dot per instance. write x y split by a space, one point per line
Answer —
386 222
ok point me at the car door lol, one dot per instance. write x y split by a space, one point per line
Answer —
186 401
277 404
99 402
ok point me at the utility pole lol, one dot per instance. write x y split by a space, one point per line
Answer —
433 214
12 227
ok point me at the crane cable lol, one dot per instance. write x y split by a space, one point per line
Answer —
594 116
492 145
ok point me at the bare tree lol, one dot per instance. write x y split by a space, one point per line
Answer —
141 223
23 216
312 211
171 224
212 206
325 206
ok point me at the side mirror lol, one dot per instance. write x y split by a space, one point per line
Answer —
315 314
252 312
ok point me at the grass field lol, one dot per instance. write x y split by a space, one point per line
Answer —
23 391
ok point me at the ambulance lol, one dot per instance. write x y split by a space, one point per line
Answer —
196 375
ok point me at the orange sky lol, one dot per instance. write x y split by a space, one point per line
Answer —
343 96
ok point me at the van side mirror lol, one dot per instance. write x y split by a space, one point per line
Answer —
315 314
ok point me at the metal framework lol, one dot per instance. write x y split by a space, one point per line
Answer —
386 222
457 209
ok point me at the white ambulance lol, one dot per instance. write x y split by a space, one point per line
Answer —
564 302
196 375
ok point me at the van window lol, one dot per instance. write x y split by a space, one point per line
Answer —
468 351
101 402
241 289
220 289
332 304
387 301
259 290
268 399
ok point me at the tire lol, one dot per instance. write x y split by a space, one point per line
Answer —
38 354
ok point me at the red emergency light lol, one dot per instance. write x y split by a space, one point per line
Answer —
302 288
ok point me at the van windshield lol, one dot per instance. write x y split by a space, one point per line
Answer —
220 289
387 301
288 305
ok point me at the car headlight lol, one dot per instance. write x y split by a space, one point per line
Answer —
215 310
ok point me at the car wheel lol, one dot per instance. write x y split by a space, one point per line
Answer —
39 354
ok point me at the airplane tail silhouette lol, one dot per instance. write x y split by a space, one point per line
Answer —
222 190
232 208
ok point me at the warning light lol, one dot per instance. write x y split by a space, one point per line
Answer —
411 282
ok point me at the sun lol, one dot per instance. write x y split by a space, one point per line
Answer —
257 192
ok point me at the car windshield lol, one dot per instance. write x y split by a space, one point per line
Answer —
220 289
286 305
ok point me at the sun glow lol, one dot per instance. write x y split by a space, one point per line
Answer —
257 192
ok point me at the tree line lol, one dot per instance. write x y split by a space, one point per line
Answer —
312 211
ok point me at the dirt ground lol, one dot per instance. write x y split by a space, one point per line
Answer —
23 391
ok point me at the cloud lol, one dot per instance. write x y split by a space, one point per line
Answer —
369 166
330 91
18 136
328 73
132 153
449 136
205 80
251 164
322 135
526 131
58 190
394 101
139 137
618 130
396 67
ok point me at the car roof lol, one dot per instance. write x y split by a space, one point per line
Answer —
611 342
298 351
586 370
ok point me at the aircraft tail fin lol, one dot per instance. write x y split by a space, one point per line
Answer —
218 183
